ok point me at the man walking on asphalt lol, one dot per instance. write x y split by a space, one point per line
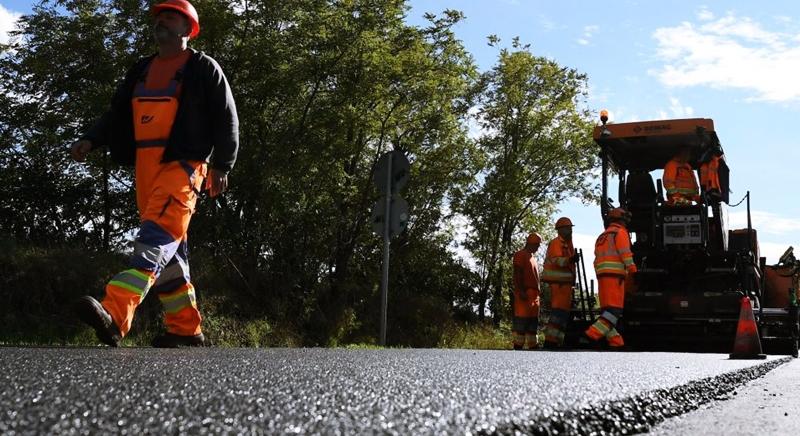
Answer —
174 118
526 295
613 262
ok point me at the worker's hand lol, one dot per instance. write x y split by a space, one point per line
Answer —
216 182
575 258
80 149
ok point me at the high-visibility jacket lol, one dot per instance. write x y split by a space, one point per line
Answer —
679 180
530 272
612 252
558 266
709 174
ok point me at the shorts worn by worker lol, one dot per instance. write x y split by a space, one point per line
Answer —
166 193
525 324
560 306
612 300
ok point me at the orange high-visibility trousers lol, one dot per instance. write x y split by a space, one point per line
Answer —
560 307
611 291
166 201
525 322
166 194
612 300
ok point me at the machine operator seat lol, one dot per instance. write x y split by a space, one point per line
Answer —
641 199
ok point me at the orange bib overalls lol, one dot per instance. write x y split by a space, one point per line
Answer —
166 194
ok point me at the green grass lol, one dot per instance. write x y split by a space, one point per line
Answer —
476 336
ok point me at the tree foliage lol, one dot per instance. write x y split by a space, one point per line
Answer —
537 148
323 88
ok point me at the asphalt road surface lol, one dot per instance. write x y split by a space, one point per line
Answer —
766 406
213 390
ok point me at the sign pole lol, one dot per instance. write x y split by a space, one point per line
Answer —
386 242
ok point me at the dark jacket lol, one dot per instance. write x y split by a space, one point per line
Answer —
206 126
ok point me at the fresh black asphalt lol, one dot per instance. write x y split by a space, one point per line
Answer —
339 391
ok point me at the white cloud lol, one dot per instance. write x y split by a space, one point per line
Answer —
730 52
546 23
588 33
704 14
765 222
678 110
8 20
772 251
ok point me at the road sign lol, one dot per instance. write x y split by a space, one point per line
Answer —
398 213
389 215
399 167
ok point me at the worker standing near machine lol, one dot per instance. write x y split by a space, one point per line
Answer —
613 263
559 274
174 118
526 295
709 173
680 181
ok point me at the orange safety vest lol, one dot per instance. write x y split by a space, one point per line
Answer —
679 179
558 267
612 252
709 174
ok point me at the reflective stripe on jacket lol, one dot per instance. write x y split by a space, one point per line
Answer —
679 179
558 266
612 252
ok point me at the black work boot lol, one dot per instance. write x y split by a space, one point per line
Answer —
92 313
171 340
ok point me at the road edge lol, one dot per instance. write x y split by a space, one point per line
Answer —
638 413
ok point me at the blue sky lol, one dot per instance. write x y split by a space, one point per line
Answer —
736 62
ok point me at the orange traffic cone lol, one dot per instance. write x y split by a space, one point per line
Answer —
747 344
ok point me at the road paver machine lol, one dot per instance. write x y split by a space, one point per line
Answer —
693 271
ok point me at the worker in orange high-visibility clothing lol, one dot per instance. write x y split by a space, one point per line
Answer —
709 174
613 262
680 181
525 324
559 274
172 117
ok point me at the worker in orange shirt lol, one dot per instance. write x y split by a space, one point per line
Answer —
680 181
613 263
709 173
174 118
526 295
559 274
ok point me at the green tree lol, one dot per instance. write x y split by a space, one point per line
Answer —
537 149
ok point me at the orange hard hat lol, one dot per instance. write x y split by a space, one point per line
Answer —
533 238
564 222
184 8
619 214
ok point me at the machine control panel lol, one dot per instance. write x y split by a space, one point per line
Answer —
682 230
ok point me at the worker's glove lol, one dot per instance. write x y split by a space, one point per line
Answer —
575 258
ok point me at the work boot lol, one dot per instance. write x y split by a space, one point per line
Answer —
92 313
171 340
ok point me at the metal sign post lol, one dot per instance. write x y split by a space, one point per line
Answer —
387 201
389 216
